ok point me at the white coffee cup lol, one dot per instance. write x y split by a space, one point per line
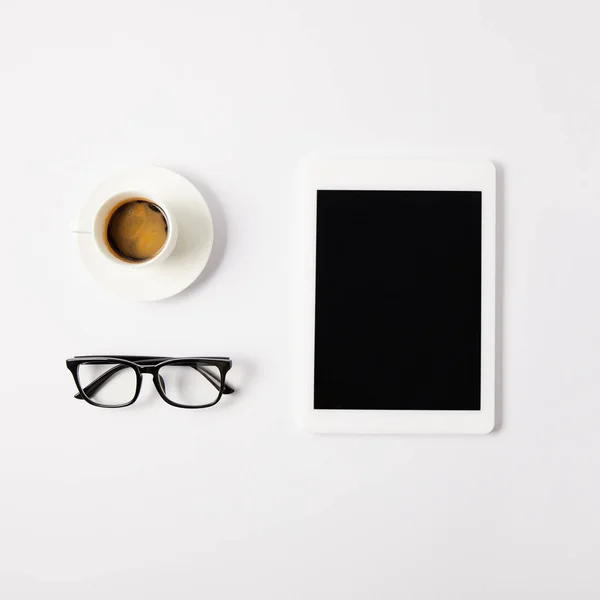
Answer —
100 224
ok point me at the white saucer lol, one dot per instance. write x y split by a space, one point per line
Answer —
194 241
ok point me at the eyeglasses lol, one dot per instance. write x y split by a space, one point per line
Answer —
116 381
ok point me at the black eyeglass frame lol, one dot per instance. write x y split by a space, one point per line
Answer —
151 365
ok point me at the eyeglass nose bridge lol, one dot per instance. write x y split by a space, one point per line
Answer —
147 370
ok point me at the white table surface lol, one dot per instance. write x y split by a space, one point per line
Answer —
236 502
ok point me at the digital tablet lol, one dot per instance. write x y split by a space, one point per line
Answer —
396 296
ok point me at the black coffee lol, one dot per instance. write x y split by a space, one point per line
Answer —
136 230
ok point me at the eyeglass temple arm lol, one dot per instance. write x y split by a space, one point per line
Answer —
95 385
215 382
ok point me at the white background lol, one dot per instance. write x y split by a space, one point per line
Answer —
153 502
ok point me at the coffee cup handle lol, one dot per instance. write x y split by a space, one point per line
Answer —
76 228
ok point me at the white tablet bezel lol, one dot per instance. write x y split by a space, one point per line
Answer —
353 174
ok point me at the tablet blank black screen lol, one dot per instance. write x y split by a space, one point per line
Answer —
398 300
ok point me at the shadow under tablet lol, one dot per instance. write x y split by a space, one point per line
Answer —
398 300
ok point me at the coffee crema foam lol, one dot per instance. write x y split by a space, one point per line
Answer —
136 230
